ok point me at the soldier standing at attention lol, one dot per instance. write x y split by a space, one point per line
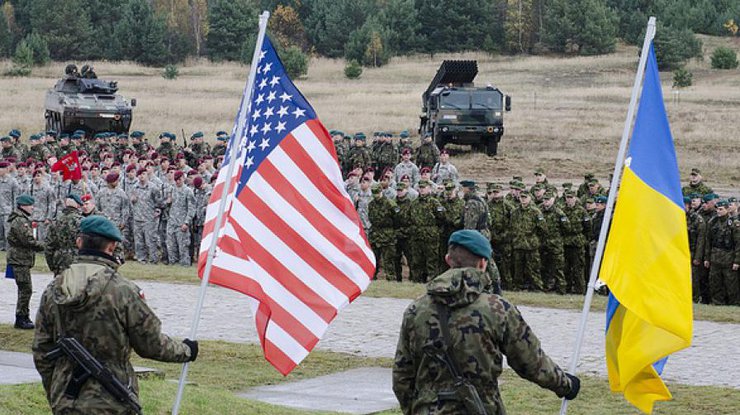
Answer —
146 200
458 325
551 249
451 220
696 184
697 238
427 154
574 243
341 149
406 168
359 155
426 214
444 170
106 313
43 211
9 191
382 214
722 256
180 221
403 229
219 147
8 150
60 243
475 211
386 154
500 221
22 256
527 224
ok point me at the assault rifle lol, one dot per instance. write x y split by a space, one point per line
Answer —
88 366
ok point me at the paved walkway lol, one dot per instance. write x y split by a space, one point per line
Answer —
369 327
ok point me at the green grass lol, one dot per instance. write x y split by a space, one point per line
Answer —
223 368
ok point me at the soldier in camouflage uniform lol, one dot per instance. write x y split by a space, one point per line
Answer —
22 248
475 211
43 211
697 237
499 222
166 146
696 184
342 150
146 200
527 224
722 257
575 242
444 170
38 150
362 200
139 144
60 249
8 149
65 145
404 142
382 214
406 168
202 194
556 225
107 315
197 149
386 155
540 178
451 220
179 224
426 213
113 202
219 147
52 144
403 229
9 191
481 329
359 155
427 154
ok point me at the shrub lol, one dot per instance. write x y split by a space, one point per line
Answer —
294 61
170 72
724 58
682 78
22 60
353 70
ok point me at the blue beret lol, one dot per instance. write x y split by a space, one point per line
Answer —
80 132
24 200
6 138
467 183
600 199
137 134
710 196
14 133
76 136
34 137
404 134
101 226
123 135
222 133
75 197
473 241
686 200
198 134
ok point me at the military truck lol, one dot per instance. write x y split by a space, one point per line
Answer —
84 102
455 111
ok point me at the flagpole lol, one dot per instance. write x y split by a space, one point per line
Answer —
222 206
613 187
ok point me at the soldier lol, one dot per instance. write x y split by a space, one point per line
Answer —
359 155
166 148
382 214
87 302
197 149
341 149
499 223
427 154
556 225
9 149
20 146
708 210
146 200
404 141
697 237
475 211
60 249
51 143
43 211
458 327
541 178
139 144
386 154
583 187
403 229
22 248
388 185
406 168
575 242
219 147
594 190
201 193
23 179
38 151
696 184
722 256
9 191
179 224
444 170
425 213
362 200
113 202
451 220
65 145
527 224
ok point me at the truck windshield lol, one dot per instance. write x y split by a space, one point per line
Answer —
486 99
455 100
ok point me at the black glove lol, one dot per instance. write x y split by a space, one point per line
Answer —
193 345
575 386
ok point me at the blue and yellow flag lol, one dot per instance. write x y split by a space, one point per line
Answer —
646 263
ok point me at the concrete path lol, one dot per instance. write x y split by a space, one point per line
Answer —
369 327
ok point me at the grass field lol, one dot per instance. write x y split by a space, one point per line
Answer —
568 113
224 368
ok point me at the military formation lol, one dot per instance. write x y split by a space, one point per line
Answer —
411 199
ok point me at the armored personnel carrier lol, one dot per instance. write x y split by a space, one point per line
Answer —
81 101
455 111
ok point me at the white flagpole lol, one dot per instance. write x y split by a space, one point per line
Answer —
613 187
222 206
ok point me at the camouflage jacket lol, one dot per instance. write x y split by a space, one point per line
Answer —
442 172
404 222
697 235
202 196
452 215
219 150
580 226
9 190
363 198
24 183
426 155
359 156
406 169
22 246
527 224
500 219
11 151
145 201
66 149
197 151
382 213
386 155
61 249
475 214
107 314
556 225
43 209
182 208
38 152
167 150
723 233
425 213
483 328
700 188
115 204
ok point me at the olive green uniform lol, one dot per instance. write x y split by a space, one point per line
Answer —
574 243
22 257
60 249
425 213
723 250
526 227
697 242
556 224
382 213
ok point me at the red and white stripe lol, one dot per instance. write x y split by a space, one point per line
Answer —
293 241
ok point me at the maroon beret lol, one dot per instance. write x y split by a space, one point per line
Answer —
130 167
140 171
111 177
178 174
197 182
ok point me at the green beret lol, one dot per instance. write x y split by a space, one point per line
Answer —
52 133
722 203
710 196
686 200
695 195
6 138
600 199
470 184
732 199
695 171
377 133
76 136
198 134
123 135
473 241
101 226
222 133
404 134
75 197
360 136
400 186
424 183
337 132
64 135
25 200
34 137
81 132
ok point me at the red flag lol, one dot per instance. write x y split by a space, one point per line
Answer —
291 238
70 167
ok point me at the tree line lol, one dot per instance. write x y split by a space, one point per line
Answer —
370 32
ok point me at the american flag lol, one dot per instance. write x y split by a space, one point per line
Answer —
291 238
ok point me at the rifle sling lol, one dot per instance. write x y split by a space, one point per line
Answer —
444 317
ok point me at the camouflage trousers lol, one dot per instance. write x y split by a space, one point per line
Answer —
195 239
384 259
424 257
146 241
403 248
574 273
700 284
25 289
162 237
4 229
502 258
178 246
128 237
553 263
525 265
723 281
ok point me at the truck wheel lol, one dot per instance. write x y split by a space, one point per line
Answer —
440 141
492 147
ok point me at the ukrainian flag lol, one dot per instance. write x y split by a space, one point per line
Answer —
646 261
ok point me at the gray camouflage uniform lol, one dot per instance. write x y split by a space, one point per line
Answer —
146 201
9 190
182 210
43 209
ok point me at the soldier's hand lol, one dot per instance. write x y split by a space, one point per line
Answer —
706 264
735 267
696 262
575 387
193 344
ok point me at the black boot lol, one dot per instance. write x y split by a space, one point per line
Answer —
23 322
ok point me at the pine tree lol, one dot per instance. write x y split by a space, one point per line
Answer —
329 23
65 26
6 39
230 23
518 26
140 35
586 27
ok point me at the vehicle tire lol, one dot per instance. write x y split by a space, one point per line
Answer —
439 139
492 147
